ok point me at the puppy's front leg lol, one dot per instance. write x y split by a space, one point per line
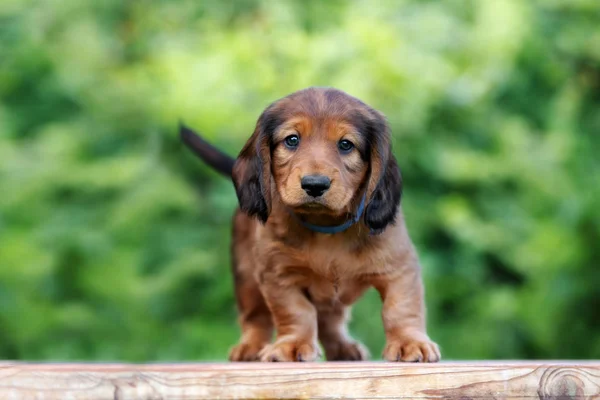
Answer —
404 317
295 320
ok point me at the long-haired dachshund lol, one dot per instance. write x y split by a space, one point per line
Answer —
320 222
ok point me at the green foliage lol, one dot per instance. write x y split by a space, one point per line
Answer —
114 239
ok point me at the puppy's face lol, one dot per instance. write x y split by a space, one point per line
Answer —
323 150
319 162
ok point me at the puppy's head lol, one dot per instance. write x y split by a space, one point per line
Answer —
320 151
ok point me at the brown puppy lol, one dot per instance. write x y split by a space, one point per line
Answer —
320 222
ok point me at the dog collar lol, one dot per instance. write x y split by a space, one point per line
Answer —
336 228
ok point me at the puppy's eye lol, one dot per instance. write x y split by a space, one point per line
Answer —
292 141
345 145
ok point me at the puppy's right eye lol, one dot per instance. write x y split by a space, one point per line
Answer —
292 141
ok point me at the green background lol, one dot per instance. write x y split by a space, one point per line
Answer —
114 239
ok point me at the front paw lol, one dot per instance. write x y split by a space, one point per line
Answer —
246 351
413 347
290 349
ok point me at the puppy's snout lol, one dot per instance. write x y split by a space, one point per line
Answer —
315 185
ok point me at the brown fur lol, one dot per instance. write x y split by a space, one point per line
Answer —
303 283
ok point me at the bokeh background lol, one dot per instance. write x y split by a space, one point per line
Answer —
114 239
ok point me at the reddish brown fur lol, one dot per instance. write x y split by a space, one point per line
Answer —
301 282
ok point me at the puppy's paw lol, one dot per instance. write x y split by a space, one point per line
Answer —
413 347
290 349
246 351
345 351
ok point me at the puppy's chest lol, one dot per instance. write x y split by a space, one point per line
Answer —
331 262
334 273
326 292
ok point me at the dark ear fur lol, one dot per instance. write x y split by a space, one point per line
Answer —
252 169
384 188
247 178
385 200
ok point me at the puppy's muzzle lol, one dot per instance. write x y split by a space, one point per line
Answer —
315 185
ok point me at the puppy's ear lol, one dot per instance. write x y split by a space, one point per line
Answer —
385 199
384 189
252 169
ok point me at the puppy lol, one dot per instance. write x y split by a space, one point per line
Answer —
319 222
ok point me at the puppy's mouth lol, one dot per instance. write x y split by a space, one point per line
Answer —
313 205
303 203
317 205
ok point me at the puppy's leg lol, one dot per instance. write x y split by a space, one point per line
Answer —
295 319
255 320
254 315
404 317
333 334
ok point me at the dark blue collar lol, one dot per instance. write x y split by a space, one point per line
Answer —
337 228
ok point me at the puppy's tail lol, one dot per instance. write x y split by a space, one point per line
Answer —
214 157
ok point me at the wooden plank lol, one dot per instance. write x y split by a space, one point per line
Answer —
360 380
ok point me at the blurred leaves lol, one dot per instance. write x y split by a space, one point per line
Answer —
114 239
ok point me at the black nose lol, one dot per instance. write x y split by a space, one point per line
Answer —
315 185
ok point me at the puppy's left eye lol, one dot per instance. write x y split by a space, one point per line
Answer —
345 145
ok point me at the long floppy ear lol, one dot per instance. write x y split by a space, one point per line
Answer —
252 169
384 189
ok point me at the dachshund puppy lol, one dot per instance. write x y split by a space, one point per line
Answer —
319 222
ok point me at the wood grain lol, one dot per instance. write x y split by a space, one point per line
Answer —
463 380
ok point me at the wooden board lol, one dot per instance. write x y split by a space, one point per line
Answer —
361 380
